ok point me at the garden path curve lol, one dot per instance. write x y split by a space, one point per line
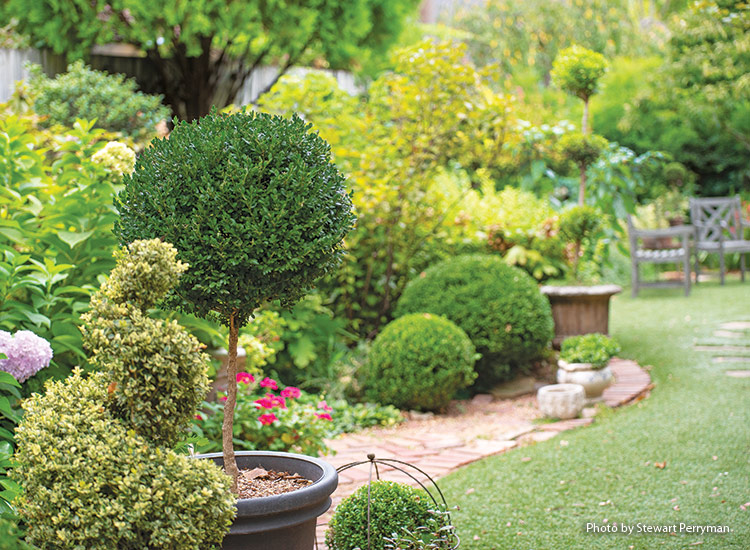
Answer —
470 431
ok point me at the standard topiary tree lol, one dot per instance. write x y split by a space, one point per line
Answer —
392 508
95 454
499 306
579 226
419 361
582 150
253 204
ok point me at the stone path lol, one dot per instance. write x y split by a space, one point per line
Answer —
470 431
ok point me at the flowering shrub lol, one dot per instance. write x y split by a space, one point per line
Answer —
26 354
268 418
116 157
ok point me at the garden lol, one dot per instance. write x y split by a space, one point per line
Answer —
213 312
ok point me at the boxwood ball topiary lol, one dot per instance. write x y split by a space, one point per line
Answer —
393 508
499 306
252 203
419 362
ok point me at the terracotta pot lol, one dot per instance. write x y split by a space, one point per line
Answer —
594 381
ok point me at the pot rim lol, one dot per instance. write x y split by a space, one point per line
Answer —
574 367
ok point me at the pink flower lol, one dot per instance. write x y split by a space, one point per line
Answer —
323 405
324 416
245 378
223 397
264 403
266 419
198 417
268 383
291 391
277 401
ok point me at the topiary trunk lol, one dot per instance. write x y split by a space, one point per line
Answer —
230 464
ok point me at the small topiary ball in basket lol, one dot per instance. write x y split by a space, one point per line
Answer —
419 362
394 507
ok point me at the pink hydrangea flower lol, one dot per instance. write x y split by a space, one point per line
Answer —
269 383
26 354
266 419
323 405
291 391
245 378
324 416
264 403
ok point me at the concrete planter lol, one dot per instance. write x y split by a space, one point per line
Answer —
579 309
280 522
594 381
562 401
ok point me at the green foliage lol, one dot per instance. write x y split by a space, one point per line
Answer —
352 417
156 368
579 223
594 348
286 420
10 415
577 70
251 202
10 536
498 306
392 506
419 361
91 482
111 100
216 44
583 150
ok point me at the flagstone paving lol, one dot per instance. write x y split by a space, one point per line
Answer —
470 431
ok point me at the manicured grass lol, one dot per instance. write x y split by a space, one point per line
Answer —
697 420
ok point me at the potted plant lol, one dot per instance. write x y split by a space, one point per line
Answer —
580 305
256 208
584 360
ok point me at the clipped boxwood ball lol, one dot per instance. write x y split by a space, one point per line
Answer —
251 202
393 508
418 362
499 306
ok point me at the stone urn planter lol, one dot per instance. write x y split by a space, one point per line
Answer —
280 522
594 380
561 401
579 309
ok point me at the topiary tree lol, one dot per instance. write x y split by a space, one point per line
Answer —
582 150
94 454
499 306
578 225
392 508
577 70
253 204
419 361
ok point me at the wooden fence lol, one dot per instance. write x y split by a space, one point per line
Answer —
12 70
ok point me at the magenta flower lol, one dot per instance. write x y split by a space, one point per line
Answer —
277 401
198 417
245 378
323 405
264 403
223 398
26 354
266 419
291 392
324 416
269 383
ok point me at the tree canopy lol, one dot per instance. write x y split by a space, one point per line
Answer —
204 50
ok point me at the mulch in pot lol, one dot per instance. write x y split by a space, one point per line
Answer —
263 483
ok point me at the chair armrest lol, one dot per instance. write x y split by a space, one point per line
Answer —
675 231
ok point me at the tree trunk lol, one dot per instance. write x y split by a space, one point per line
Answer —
230 464
582 186
585 121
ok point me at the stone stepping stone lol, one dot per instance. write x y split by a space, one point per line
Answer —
728 334
721 349
736 325
732 359
738 373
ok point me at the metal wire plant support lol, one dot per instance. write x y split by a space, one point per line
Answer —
404 467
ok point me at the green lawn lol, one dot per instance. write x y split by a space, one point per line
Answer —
697 420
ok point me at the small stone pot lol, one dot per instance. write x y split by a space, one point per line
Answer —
561 401
594 381
280 522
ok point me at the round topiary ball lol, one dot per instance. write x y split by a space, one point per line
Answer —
499 306
418 362
393 508
252 203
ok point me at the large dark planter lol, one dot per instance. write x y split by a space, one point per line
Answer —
579 309
281 522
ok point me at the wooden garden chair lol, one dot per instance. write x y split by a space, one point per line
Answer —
640 253
719 229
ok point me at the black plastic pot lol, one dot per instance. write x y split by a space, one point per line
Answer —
280 522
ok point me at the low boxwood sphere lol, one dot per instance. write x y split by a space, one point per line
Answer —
253 204
499 306
393 508
418 362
